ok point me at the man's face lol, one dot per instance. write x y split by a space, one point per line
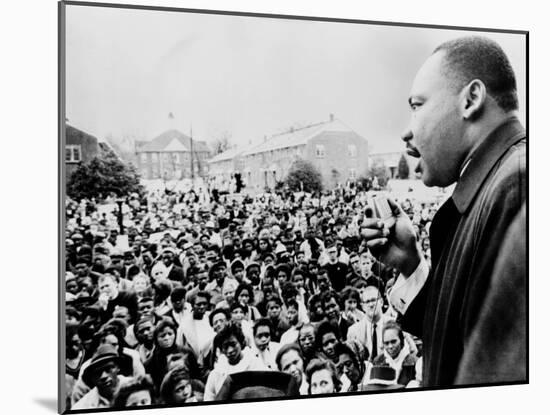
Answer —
324 282
202 279
122 313
219 322
108 286
328 343
366 265
292 315
145 332
306 339
436 129
145 308
167 258
332 254
71 286
82 269
355 264
332 309
262 337
372 302
273 310
292 363
199 307
346 366
232 349
105 378
178 304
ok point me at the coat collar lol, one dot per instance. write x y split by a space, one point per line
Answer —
484 159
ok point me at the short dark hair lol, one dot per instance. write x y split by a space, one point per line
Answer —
178 294
203 294
476 57
220 310
324 328
263 322
226 333
284 350
139 383
327 296
245 287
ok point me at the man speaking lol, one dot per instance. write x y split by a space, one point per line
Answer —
464 130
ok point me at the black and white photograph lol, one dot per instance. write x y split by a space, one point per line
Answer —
264 207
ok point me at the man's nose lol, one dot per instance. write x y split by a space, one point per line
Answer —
407 135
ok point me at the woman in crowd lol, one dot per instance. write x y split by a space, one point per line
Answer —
140 391
245 296
322 377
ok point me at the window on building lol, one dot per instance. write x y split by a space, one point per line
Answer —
352 174
144 157
320 151
154 157
73 153
176 157
352 150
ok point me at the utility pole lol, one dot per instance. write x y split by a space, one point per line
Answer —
192 164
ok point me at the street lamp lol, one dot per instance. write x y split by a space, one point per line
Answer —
119 202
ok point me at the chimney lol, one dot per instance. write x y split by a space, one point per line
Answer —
331 117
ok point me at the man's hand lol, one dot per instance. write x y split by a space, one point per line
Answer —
396 247
103 300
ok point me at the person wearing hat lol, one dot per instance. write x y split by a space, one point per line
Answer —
258 384
103 374
381 378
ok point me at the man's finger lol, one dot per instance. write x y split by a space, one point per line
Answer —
395 207
370 234
377 243
373 223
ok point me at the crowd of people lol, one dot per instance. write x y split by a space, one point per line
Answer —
193 291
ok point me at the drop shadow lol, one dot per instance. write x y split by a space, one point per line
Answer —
47 403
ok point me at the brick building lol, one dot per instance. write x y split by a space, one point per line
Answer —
169 156
334 149
224 165
80 147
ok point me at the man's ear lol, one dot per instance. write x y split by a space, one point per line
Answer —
473 99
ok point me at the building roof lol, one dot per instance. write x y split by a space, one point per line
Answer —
170 141
297 137
74 132
227 155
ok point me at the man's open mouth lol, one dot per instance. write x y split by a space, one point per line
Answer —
413 151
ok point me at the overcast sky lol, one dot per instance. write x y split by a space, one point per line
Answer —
126 70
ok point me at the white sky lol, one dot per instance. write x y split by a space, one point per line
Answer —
127 69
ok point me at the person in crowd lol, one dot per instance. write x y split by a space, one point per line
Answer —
326 339
165 346
263 348
245 296
289 360
139 391
368 331
195 330
177 387
397 354
322 377
103 376
239 358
